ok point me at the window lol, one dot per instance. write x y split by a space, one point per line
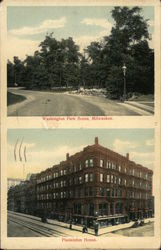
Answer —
111 178
86 177
61 195
90 191
125 182
91 177
75 180
108 178
65 171
115 179
140 174
113 166
61 172
71 169
61 183
71 181
79 192
133 171
133 183
108 192
119 168
71 194
108 164
80 179
101 191
91 162
125 170
86 163
101 177
113 192
80 166
86 191
101 163
119 181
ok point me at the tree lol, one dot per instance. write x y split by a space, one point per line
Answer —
18 71
60 64
10 74
129 39
97 67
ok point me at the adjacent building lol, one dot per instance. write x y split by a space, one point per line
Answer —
12 182
94 184
22 197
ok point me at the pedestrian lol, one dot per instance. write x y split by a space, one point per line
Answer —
96 229
70 225
84 229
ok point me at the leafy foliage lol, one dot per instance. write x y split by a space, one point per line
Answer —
60 64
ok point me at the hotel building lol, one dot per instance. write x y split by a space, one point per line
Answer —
94 184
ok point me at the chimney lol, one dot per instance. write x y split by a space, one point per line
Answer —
67 156
127 156
96 140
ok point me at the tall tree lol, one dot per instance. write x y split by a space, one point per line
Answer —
129 35
18 71
10 74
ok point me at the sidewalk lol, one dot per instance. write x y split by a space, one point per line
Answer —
78 228
102 231
142 105
139 107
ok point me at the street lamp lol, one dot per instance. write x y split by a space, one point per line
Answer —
124 72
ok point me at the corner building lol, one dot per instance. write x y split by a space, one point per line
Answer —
95 184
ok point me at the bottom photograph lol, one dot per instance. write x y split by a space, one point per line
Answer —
80 182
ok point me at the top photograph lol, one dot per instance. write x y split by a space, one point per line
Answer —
80 60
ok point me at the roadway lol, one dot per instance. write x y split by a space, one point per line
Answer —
23 225
41 103
20 225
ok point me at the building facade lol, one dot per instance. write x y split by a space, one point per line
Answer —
12 182
22 197
94 184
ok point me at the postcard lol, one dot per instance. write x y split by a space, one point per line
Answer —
80 124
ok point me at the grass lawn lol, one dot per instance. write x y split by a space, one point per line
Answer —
12 98
145 98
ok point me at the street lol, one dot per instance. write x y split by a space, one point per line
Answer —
40 103
29 226
22 225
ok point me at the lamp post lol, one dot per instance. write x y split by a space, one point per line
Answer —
124 72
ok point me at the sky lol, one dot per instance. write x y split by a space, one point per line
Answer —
47 147
28 25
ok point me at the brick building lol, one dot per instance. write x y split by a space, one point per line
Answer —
12 182
95 184
22 197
